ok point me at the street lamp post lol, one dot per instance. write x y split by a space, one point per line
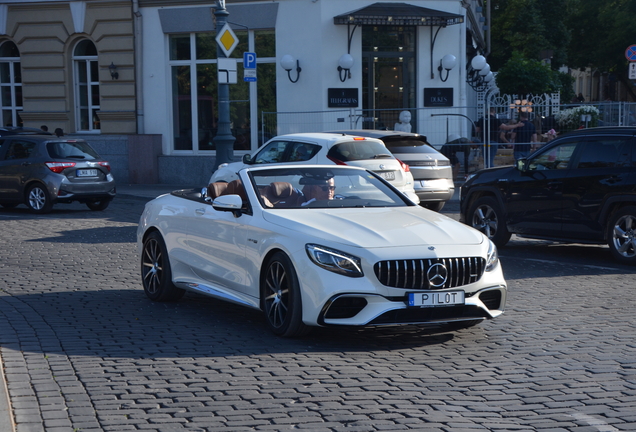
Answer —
224 140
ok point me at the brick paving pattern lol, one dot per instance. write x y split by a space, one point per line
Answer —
84 350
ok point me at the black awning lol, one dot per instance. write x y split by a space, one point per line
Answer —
402 14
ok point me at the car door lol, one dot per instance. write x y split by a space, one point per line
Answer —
535 197
602 170
15 166
216 241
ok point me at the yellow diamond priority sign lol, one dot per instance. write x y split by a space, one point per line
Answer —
227 40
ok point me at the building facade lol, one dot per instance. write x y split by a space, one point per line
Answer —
146 71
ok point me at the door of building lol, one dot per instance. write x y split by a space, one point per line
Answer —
388 79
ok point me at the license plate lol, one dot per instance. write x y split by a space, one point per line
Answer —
87 173
436 298
387 175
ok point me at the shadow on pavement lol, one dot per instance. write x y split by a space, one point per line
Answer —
124 323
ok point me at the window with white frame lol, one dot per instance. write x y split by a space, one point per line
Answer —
86 79
192 59
10 84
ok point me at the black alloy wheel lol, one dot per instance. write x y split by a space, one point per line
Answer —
621 235
156 274
280 297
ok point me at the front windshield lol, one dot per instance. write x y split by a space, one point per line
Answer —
307 188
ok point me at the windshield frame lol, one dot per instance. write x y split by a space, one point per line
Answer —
353 188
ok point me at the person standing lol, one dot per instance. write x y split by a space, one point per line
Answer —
526 136
496 133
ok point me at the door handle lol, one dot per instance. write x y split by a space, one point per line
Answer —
200 211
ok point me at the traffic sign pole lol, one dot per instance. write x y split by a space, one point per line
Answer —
224 140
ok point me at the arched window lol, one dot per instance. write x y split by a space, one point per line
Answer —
10 84
86 74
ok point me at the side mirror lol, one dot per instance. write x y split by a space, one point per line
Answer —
521 165
247 159
231 203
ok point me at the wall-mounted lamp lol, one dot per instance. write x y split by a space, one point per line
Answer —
479 75
345 63
288 62
113 71
447 63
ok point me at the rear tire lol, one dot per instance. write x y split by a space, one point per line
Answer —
435 206
37 199
156 274
98 205
280 297
621 235
485 215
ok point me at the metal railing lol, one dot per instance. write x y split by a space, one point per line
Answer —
438 124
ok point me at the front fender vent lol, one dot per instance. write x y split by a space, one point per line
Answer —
414 273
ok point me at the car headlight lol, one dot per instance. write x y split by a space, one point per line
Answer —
493 258
334 260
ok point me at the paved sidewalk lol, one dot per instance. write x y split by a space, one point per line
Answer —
6 424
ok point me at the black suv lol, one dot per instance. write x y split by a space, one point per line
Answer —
578 188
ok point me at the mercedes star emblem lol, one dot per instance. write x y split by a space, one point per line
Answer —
437 275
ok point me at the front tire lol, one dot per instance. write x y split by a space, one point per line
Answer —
38 199
621 235
280 297
156 274
485 215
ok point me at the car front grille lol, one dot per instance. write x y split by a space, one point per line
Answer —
438 273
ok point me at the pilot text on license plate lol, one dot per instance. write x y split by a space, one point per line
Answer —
436 298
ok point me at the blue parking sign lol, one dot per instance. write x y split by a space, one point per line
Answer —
249 60
249 66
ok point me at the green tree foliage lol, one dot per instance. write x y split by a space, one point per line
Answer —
522 76
601 32
535 28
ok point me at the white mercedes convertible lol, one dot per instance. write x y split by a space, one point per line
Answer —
319 246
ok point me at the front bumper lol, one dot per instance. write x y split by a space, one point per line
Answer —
334 300
370 310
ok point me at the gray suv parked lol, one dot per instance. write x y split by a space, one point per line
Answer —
41 170
579 188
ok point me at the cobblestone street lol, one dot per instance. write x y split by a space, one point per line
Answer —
83 348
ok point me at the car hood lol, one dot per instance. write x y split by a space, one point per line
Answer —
376 227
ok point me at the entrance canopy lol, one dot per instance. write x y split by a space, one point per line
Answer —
398 14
